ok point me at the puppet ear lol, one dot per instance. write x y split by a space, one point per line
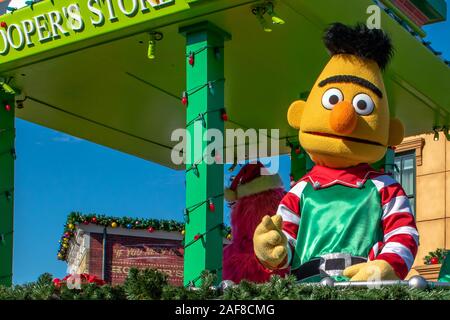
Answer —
294 114
396 132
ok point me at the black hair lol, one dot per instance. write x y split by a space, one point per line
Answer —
361 41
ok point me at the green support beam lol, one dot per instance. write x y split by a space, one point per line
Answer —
7 156
204 182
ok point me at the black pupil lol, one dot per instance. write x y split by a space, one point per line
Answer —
362 105
334 99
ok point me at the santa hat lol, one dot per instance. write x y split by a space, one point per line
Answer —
253 178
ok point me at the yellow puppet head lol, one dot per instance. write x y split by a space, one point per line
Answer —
345 120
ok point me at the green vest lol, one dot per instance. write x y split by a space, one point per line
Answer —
338 219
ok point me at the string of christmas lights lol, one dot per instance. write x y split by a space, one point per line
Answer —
12 151
211 206
199 236
191 55
3 235
210 84
201 116
8 193
192 282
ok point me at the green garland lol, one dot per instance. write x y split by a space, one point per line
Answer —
150 284
151 225
435 257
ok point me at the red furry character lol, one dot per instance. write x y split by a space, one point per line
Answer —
252 196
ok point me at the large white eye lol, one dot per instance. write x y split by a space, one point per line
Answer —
331 97
363 104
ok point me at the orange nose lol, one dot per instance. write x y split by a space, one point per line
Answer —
343 118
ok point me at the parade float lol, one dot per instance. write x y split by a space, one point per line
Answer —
127 74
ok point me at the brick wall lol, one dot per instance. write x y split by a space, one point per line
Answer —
124 252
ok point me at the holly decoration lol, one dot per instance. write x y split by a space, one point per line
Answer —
435 257
151 225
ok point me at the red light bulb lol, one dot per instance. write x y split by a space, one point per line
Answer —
151 229
224 116
212 207
184 98
7 107
94 220
191 59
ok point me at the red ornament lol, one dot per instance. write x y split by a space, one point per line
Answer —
297 150
3 24
434 260
191 59
224 116
94 220
197 236
7 107
67 234
184 98
85 222
212 207
151 229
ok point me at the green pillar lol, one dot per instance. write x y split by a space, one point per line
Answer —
7 155
203 181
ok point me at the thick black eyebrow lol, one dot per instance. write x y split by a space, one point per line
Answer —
352 79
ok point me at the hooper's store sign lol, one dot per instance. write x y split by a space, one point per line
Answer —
56 24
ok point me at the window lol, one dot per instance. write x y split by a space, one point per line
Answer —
405 174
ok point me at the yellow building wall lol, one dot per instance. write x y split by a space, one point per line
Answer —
433 195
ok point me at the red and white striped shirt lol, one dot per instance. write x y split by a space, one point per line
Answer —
401 239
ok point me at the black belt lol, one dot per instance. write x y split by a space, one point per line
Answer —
313 267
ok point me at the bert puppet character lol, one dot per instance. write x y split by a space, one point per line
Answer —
343 219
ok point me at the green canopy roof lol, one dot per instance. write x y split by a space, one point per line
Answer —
98 83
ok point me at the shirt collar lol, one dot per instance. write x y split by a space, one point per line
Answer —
355 177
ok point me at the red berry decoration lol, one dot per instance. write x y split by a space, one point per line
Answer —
7 107
191 59
151 229
3 24
434 260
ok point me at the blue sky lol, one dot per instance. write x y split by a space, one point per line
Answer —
57 174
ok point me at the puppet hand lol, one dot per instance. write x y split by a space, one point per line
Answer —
372 270
270 243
